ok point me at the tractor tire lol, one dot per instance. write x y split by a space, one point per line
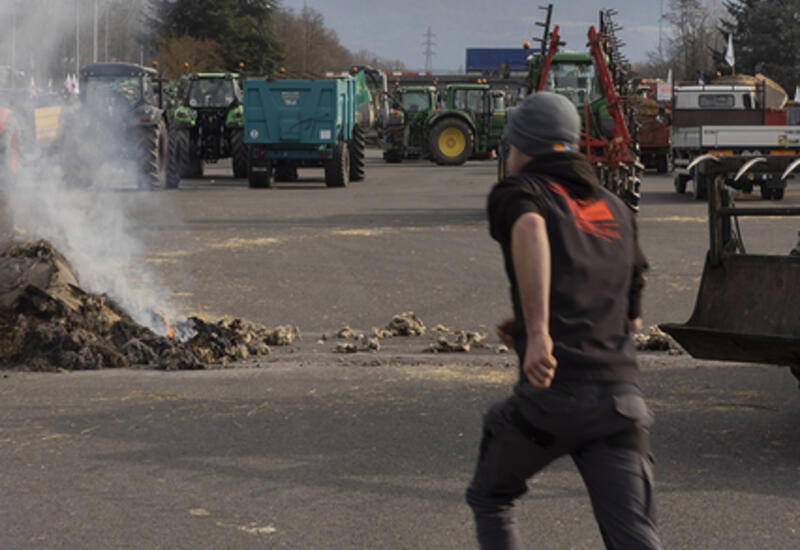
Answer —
239 153
337 170
259 179
358 154
181 145
174 161
450 142
393 156
10 151
153 157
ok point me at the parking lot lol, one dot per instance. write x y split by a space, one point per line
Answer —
311 449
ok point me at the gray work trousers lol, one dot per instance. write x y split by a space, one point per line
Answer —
604 427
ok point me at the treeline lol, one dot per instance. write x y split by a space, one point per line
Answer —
252 36
766 39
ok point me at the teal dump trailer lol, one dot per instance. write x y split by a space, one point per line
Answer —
291 123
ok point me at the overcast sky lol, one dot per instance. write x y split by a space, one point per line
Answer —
394 28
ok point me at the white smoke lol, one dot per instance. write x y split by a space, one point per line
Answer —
91 222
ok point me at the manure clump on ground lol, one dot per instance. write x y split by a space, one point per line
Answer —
48 322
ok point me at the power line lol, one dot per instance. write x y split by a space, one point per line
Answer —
429 44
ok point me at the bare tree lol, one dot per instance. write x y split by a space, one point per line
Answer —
311 47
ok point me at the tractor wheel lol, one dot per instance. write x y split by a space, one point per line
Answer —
259 179
450 142
239 153
337 170
393 156
358 151
181 145
174 161
9 155
153 143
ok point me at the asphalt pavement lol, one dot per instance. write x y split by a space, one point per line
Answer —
311 449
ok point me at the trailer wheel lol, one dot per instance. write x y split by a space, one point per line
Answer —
679 181
450 142
260 179
699 187
153 142
239 153
662 164
358 151
337 170
173 161
771 193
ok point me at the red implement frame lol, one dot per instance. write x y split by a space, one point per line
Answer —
555 42
608 151
619 146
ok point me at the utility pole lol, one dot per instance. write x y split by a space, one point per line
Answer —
660 19
77 37
429 44
105 35
13 38
94 33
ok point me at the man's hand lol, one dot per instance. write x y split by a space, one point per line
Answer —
636 324
504 331
539 365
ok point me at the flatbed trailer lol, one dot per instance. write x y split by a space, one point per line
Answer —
730 121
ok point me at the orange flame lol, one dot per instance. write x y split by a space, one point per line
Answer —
168 327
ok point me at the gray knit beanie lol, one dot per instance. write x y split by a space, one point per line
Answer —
543 123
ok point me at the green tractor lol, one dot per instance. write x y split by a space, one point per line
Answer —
119 118
405 132
470 125
208 123
597 82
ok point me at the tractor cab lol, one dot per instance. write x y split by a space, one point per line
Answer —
213 91
574 76
415 100
118 88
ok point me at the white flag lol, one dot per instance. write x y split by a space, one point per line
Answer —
729 58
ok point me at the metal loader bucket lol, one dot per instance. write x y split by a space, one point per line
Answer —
747 309
748 306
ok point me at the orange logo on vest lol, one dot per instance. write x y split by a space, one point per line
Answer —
591 216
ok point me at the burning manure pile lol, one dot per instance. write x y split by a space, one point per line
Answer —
48 322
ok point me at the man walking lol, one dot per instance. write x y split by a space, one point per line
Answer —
576 274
